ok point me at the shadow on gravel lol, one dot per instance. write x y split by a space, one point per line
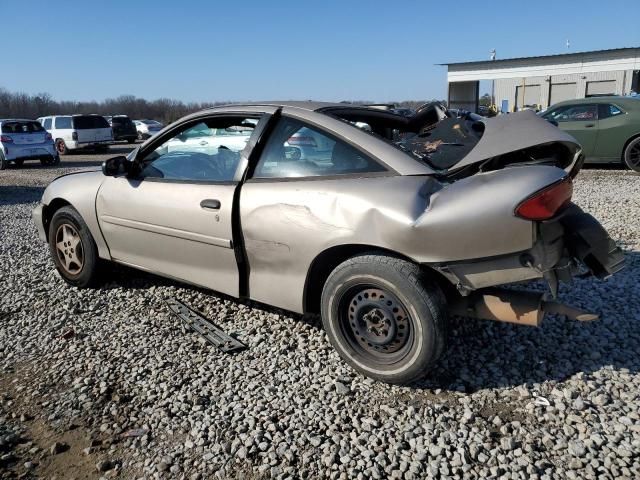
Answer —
483 354
36 166
16 195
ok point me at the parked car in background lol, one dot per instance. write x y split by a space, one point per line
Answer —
147 128
209 141
22 140
608 128
123 128
74 132
383 238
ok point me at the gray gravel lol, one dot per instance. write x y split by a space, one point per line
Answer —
560 401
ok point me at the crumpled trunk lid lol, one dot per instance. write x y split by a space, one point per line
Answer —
464 146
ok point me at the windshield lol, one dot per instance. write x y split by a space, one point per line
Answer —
90 121
22 127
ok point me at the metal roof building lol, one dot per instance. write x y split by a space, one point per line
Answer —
545 80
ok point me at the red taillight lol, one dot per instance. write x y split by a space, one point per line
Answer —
301 140
545 203
6 139
48 137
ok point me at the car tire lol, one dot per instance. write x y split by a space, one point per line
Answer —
631 155
73 248
4 164
384 317
61 147
140 137
56 160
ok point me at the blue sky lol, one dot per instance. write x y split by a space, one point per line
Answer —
198 50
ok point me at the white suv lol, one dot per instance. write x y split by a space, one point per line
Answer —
72 132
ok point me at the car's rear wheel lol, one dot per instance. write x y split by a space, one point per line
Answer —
140 137
55 160
3 162
72 247
61 147
632 155
384 317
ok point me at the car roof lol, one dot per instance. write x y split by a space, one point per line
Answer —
618 99
17 120
310 105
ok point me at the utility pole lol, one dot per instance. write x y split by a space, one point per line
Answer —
493 81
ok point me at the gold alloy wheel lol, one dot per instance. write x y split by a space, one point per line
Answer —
69 249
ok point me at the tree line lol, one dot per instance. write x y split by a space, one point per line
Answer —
165 110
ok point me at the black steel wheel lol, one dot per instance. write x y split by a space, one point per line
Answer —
375 323
384 317
632 155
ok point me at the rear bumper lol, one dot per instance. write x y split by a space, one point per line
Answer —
92 144
29 152
572 240
588 242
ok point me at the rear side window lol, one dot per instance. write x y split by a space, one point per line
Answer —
63 122
574 113
47 123
85 122
298 150
21 127
607 110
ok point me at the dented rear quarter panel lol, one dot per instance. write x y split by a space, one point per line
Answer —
287 224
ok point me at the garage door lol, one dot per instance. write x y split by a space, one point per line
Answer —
606 87
561 92
527 95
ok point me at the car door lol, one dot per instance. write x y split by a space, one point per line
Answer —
175 217
612 132
581 122
292 206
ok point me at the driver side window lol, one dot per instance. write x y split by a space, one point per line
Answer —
208 151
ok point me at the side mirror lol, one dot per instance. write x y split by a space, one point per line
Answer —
116 166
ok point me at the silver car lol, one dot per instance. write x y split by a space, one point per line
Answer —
22 140
384 231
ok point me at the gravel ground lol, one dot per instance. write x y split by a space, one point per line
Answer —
106 382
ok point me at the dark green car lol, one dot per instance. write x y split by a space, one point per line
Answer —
608 128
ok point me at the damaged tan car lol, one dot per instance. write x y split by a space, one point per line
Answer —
383 224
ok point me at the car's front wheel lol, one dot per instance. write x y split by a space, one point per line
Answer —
3 162
632 155
384 317
72 247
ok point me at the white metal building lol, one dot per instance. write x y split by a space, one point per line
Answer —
545 80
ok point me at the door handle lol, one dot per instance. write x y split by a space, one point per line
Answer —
589 125
203 143
210 204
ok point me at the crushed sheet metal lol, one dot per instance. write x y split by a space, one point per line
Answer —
209 331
